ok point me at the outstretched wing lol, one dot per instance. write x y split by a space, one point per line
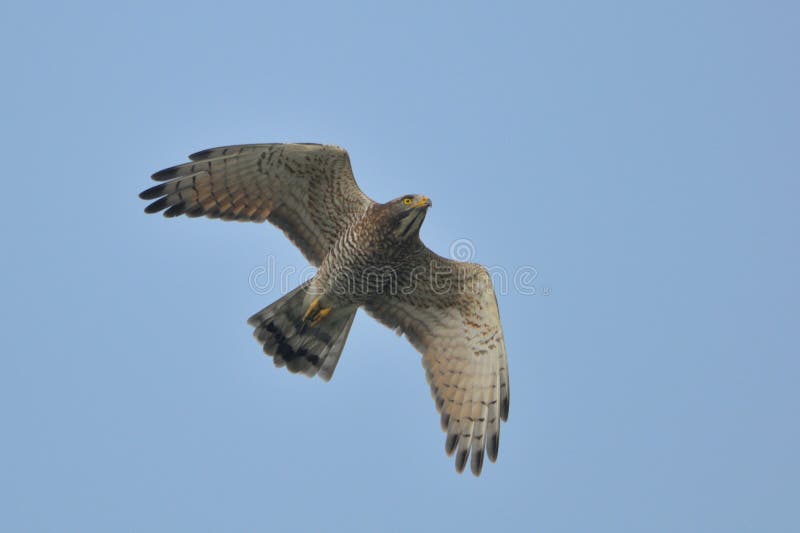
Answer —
448 311
307 190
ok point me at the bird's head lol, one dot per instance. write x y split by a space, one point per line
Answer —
407 214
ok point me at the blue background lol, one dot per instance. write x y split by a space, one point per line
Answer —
642 157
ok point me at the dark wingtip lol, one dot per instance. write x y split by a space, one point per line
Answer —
504 405
494 446
202 154
156 206
450 443
166 174
175 210
477 462
221 151
152 192
461 460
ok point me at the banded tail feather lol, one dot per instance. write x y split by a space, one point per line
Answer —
294 343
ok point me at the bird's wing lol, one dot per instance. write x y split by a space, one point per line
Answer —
307 190
449 313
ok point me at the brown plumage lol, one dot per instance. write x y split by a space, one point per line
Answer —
368 255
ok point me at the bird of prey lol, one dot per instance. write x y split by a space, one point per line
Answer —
368 255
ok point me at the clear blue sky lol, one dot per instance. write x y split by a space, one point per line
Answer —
643 159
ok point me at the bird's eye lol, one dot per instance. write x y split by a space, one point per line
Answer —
407 201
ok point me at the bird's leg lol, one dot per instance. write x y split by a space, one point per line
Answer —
322 313
312 310
315 313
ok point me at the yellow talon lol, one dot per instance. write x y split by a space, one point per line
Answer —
312 309
325 311
315 313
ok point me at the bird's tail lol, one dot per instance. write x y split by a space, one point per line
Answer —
297 343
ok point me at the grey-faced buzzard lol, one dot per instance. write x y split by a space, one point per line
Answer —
367 255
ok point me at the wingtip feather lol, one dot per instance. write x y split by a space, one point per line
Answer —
152 192
156 206
477 462
461 460
450 443
175 210
166 174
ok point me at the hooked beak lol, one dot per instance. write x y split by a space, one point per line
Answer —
424 202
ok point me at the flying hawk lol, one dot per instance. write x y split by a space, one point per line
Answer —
368 255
